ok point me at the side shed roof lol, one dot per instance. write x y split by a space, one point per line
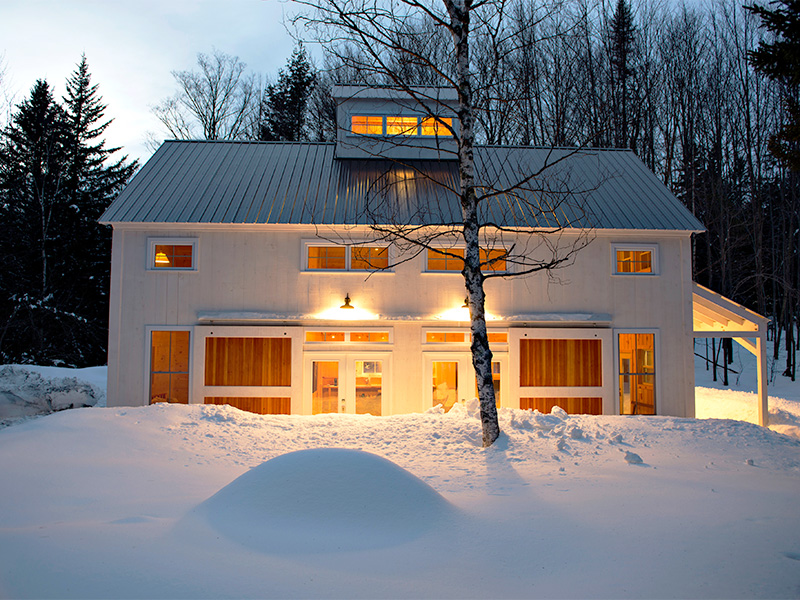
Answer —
277 182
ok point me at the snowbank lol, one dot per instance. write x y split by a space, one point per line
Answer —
28 391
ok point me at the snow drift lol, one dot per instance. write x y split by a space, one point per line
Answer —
322 500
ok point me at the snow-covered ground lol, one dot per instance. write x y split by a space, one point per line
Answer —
206 501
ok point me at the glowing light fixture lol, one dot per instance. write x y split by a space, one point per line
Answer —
161 259
347 302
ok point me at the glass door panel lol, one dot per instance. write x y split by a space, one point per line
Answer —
496 381
445 383
324 386
369 386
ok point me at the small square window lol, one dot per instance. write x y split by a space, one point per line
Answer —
451 259
364 258
635 260
172 254
326 257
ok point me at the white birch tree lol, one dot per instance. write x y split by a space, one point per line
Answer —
375 38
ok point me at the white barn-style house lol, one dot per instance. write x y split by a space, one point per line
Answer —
251 274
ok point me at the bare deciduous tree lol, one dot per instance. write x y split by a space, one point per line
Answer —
219 100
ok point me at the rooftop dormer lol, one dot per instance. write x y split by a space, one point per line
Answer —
386 123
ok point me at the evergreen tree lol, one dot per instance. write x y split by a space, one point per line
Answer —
286 102
55 181
33 159
780 60
93 180
622 57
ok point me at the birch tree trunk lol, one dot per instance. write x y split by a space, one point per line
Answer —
459 11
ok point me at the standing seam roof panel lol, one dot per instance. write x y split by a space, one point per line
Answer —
263 182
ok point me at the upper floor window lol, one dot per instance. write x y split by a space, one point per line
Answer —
635 260
393 125
366 125
452 260
172 254
346 257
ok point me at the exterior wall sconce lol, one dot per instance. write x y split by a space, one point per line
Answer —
347 302
466 302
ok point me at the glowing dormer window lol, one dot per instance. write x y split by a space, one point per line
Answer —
438 126
401 125
365 125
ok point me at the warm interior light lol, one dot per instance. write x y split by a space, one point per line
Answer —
461 313
347 302
161 258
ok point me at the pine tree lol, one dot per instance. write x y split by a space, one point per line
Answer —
623 32
55 181
92 182
286 102
780 60
33 159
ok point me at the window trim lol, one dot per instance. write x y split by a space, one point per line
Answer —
653 248
306 244
152 242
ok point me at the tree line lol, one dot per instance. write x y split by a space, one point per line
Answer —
681 85
56 179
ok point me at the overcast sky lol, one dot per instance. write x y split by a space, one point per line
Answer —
131 47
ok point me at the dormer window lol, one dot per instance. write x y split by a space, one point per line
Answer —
401 125
365 125
431 126
406 125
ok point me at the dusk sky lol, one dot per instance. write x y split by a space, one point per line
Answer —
131 47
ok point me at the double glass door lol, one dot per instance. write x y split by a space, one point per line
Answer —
450 378
347 383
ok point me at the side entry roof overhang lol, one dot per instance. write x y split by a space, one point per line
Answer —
716 316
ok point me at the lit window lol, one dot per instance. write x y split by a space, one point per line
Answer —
436 126
169 366
172 256
446 260
366 258
497 338
369 336
401 125
366 125
637 374
326 257
444 337
493 260
324 336
630 260
452 259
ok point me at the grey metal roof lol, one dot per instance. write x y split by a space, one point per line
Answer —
287 182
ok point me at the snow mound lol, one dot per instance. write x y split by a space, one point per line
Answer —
25 393
324 500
